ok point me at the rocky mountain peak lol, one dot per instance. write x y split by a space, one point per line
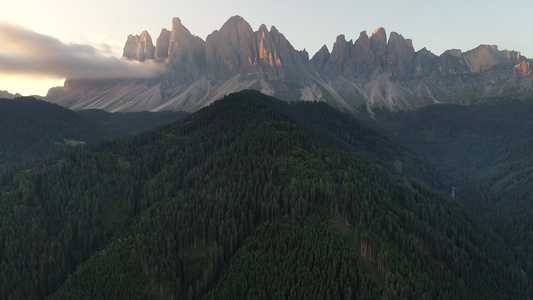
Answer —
400 54
363 37
374 71
280 55
362 49
363 57
453 52
147 45
236 26
450 62
320 58
237 49
484 57
268 47
262 28
186 53
341 47
130 49
379 36
231 49
378 45
178 31
340 56
162 45
398 39
424 61
140 47
177 25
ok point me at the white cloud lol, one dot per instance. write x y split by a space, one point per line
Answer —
105 44
26 53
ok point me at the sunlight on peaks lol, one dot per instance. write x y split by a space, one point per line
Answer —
28 86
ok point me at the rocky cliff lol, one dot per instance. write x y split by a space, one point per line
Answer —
374 71
140 47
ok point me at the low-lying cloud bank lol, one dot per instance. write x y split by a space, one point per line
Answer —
28 53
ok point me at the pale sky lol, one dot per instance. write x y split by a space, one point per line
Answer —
91 34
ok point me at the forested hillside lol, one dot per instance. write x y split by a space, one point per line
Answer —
249 197
31 128
486 151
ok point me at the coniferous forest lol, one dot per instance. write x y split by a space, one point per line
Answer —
256 198
31 128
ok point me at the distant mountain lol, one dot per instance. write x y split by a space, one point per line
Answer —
8 95
31 128
248 198
372 72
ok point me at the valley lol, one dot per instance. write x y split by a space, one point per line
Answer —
253 197
238 167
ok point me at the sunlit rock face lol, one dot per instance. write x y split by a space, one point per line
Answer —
523 69
378 45
237 49
485 57
231 50
372 72
140 47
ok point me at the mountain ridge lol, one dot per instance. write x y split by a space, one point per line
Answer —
8 95
32 128
248 197
372 72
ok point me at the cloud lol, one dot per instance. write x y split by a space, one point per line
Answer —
27 53
106 45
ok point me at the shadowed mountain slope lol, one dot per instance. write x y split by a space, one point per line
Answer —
248 197
31 128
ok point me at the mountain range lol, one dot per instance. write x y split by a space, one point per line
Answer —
372 72
8 95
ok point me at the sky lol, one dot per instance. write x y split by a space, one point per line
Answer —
44 42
